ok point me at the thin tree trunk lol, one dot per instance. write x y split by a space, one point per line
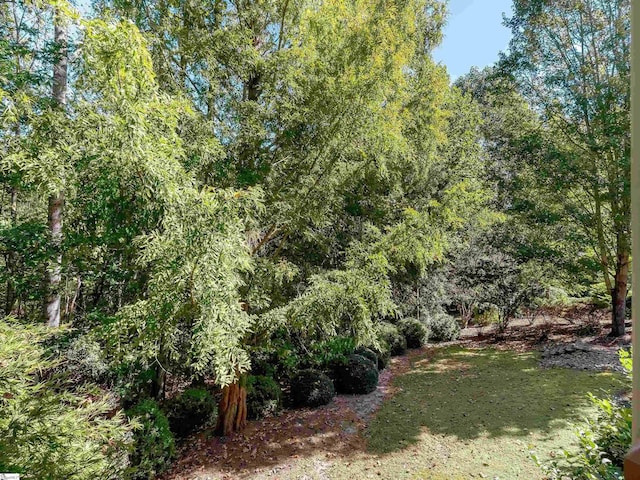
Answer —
232 410
12 258
56 201
619 295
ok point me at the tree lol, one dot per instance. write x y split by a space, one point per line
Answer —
56 200
571 61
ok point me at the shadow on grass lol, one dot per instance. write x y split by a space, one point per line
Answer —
472 393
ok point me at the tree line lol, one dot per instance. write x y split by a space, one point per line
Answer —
186 183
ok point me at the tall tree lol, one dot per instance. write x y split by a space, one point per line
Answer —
56 200
571 61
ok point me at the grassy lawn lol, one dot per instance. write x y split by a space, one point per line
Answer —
455 414
474 414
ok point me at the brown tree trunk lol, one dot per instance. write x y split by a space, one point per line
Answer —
56 201
619 295
232 410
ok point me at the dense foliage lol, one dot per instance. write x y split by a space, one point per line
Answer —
244 194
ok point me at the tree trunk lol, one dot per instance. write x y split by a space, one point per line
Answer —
619 295
54 272
232 410
12 258
56 201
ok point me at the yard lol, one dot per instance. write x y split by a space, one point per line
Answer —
451 412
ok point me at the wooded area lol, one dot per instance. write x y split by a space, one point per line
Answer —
197 193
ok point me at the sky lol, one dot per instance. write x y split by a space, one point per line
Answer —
474 35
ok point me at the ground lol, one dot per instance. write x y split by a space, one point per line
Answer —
473 409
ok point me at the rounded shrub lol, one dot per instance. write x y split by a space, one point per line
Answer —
443 328
414 331
154 446
264 397
189 411
384 354
393 338
367 353
311 388
359 375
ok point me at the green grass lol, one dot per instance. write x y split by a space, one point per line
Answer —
459 414
479 411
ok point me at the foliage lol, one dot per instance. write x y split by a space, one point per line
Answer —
264 397
393 340
603 441
368 354
154 446
383 352
442 328
328 354
414 332
358 375
49 426
191 410
571 61
311 388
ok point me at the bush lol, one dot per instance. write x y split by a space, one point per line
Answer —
486 315
264 397
390 335
328 354
41 410
384 355
311 388
279 359
414 331
154 446
192 409
359 375
86 360
443 328
367 353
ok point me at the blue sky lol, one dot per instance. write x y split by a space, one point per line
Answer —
474 35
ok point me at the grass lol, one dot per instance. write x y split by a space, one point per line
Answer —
456 414
475 414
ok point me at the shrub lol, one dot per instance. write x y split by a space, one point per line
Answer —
189 411
359 375
384 355
279 359
328 354
414 331
367 353
86 360
154 446
393 338
311 388
264 397
443 328
41 410
486 315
